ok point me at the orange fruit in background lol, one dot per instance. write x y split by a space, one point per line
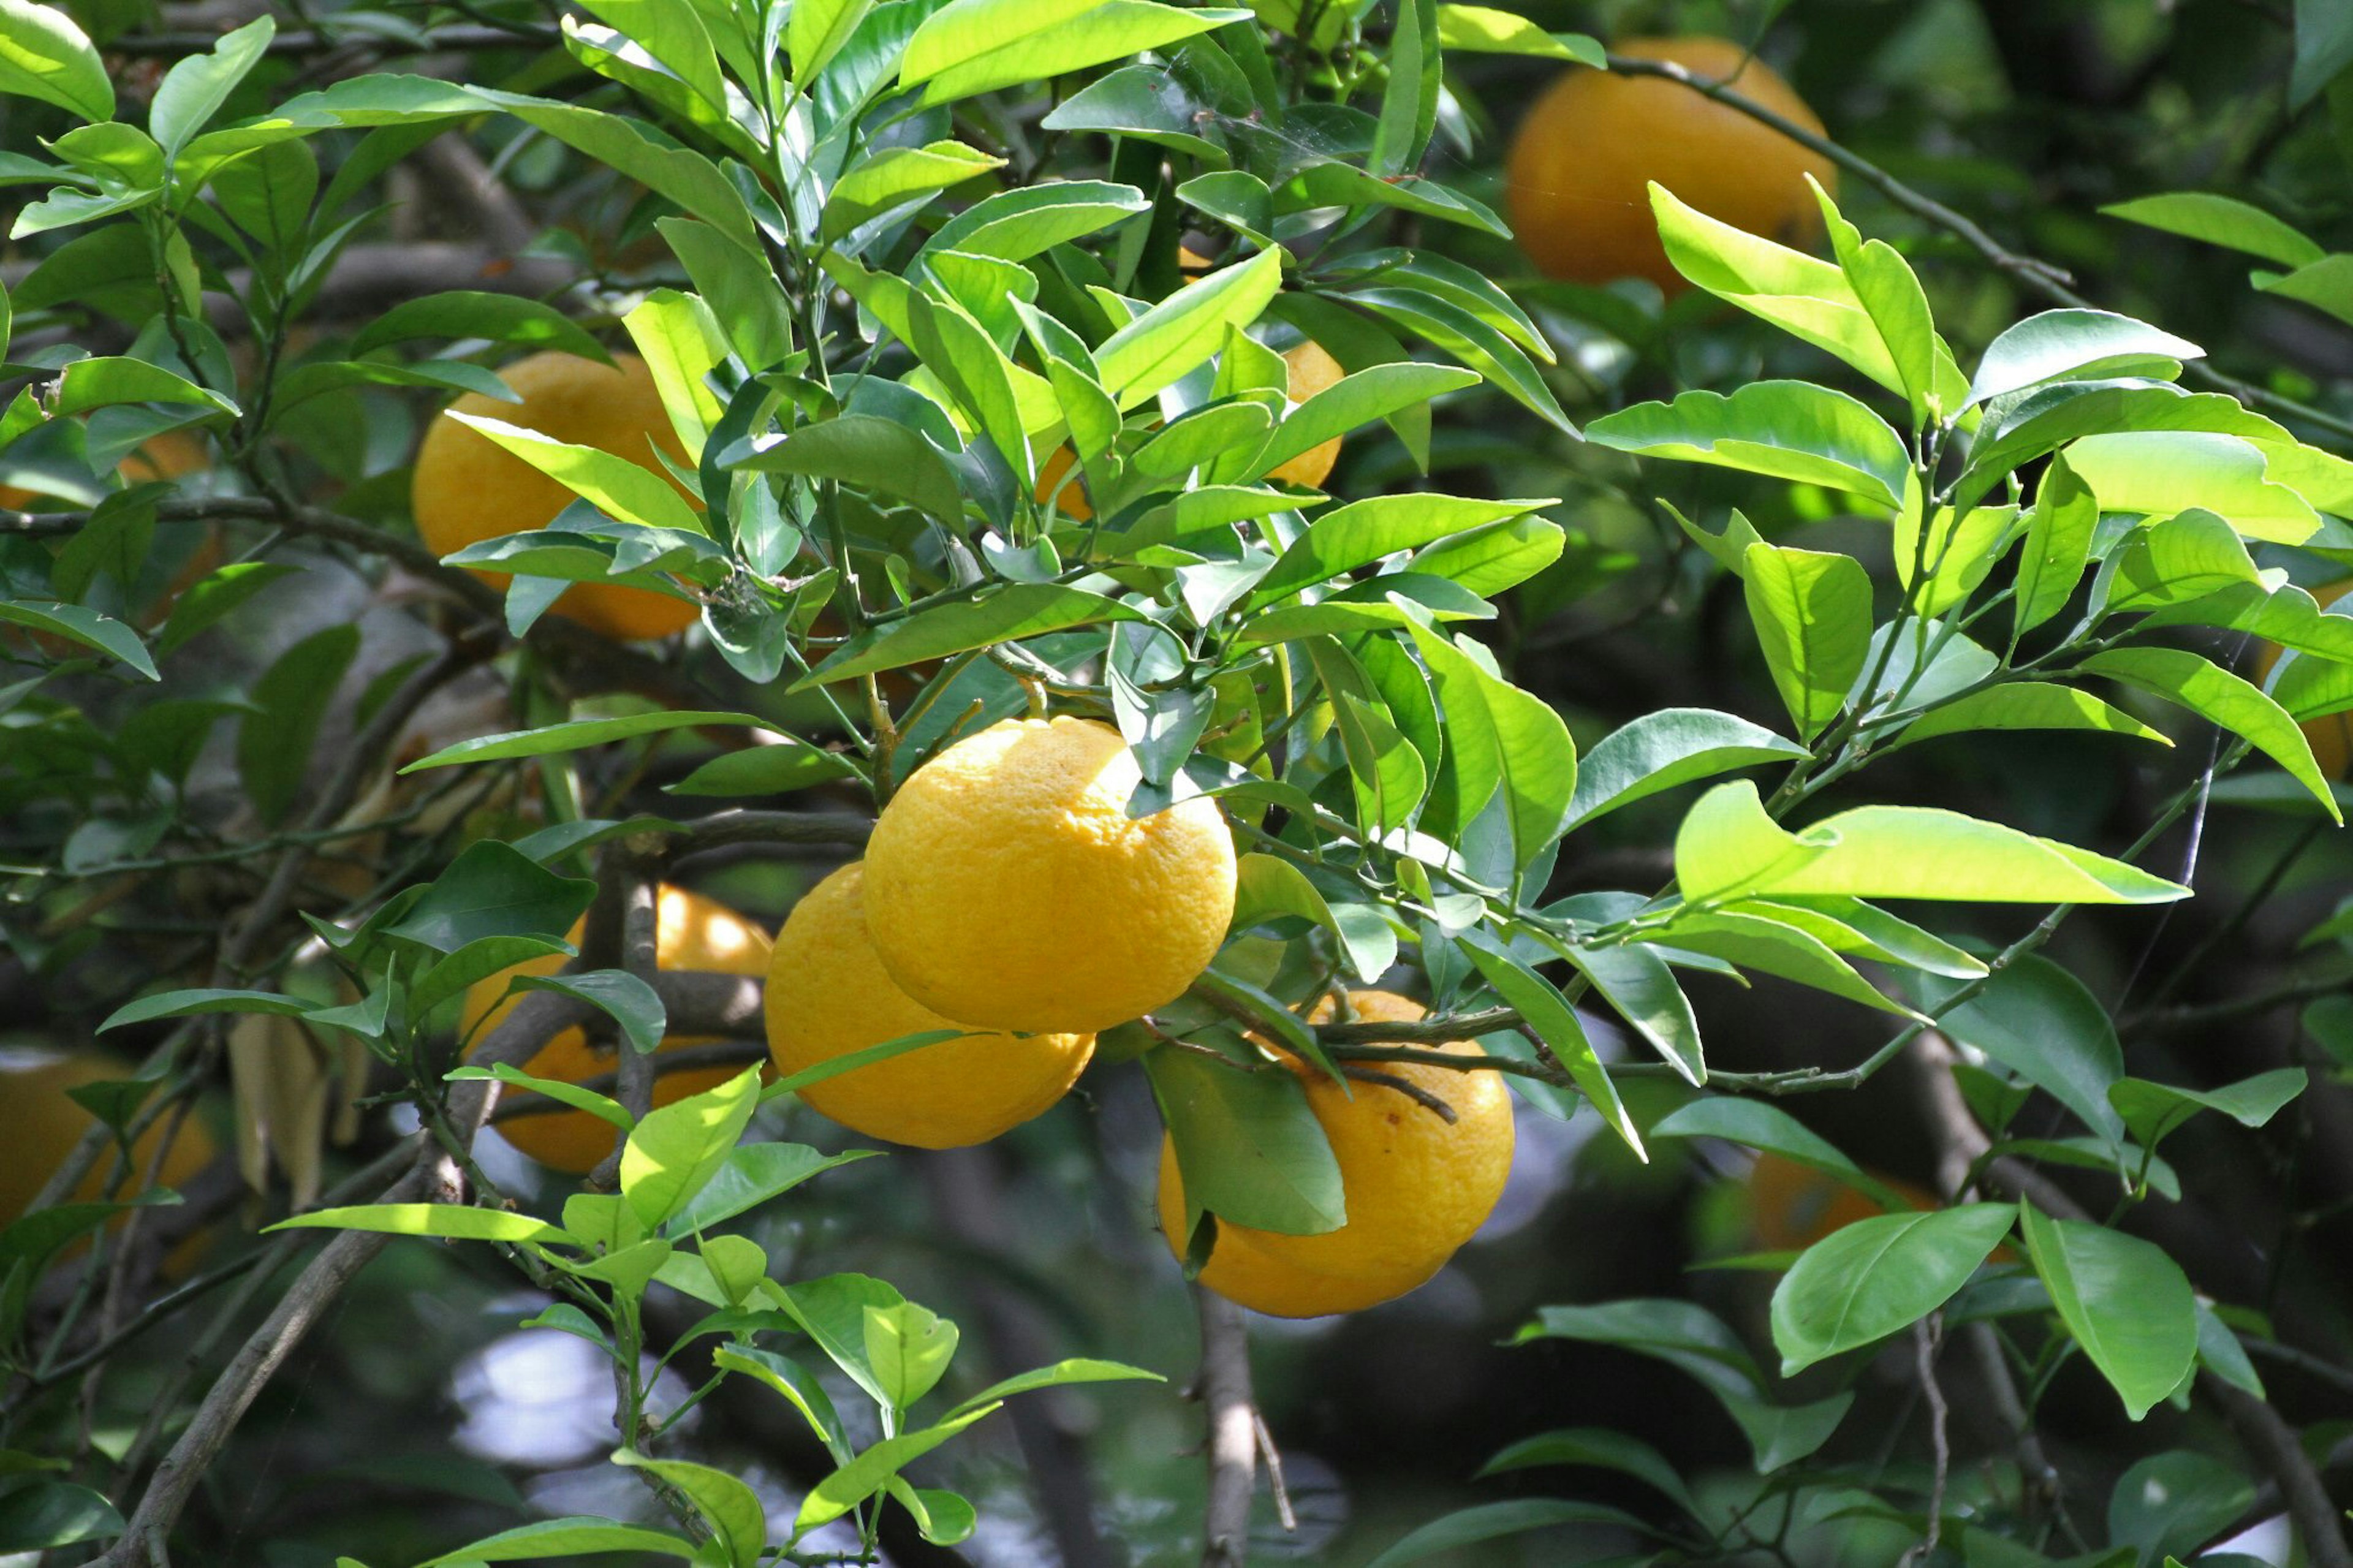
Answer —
1792 1206
829 996
1417 1187
173 455
693 934
467 487
41 1125
2332 736
1580 168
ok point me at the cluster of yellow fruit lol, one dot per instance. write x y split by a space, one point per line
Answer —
1006 892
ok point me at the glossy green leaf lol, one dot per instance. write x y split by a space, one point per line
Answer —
1249 1148
1783 429
1540 1003
453 1222
579 1535
289 699
2076 344
493 889
2151 1111
677 1149
2125 1302
196 86
1812 616
2025 705
574 735
2160 473
2220 220
2040 1022
44 54
1493 1520
1008 615
1875 1277
1501 740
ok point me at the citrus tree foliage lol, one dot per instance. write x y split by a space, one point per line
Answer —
982 397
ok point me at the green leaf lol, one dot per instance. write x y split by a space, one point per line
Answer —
686 177
2058 543
1476 29
1871 1279
1596 1447
750 1175
1410 101
44 54
1008 615
977 45
1660 750
1502 555
1170 339
1810 298
188 1004
87 628
2219 220
2025 705
493 889
602 1107
2222 698
275 740
1501 740
196 87
48 1513
616 484
864 1475
896 176
726 1503
452 1222
1541 1004
815 31
2176 1502
1753 937
1247 1146
909 1347
206 602
676 1151
792 1383
1016 224
2040 1022
575 734
1061 1374
850 1061
579 1535
861 449
1901 852
2178 560
1812 616
1784 429
778 769
2125 1302
1491 1520
2076 344
1637 983
2326 285
470 313
2157 473
628 1000
2151 1111
831 1309
1362 532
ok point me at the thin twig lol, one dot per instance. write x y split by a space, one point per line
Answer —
1406 1086
1927 1338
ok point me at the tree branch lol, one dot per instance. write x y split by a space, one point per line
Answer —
1225 1392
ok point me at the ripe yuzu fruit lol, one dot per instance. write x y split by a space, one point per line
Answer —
1417 1187
692 934
2332 735
829 996
1580 171
466 487
1006 887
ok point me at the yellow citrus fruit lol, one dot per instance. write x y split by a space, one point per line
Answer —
1580 168
467 487
691 934
2332 736
1417 1187
1006 886
829 996
40 1126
